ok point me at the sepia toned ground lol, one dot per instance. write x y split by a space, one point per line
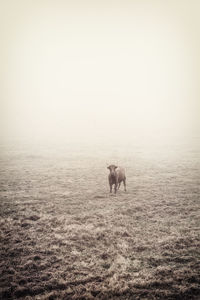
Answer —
63 236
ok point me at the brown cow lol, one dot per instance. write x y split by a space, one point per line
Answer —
116 176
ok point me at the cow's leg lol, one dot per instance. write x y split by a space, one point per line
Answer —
124 181
119 185
110 188
116 184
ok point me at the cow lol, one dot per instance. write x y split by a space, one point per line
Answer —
116 176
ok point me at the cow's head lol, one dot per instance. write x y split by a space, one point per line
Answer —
112 169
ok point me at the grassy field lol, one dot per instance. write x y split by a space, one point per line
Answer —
63 236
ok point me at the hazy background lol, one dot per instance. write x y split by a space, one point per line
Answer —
100 72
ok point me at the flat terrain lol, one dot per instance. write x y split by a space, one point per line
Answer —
63 236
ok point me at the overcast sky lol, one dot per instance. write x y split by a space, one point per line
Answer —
91 70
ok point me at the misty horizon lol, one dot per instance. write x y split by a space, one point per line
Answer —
97 73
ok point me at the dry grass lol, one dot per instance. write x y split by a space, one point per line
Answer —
64 237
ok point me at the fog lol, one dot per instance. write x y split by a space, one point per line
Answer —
99 72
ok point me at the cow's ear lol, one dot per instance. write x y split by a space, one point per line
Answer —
108 168
116 167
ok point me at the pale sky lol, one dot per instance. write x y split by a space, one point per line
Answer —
89 70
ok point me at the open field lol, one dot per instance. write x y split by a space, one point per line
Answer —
63 236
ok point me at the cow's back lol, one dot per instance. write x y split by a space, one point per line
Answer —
120 174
